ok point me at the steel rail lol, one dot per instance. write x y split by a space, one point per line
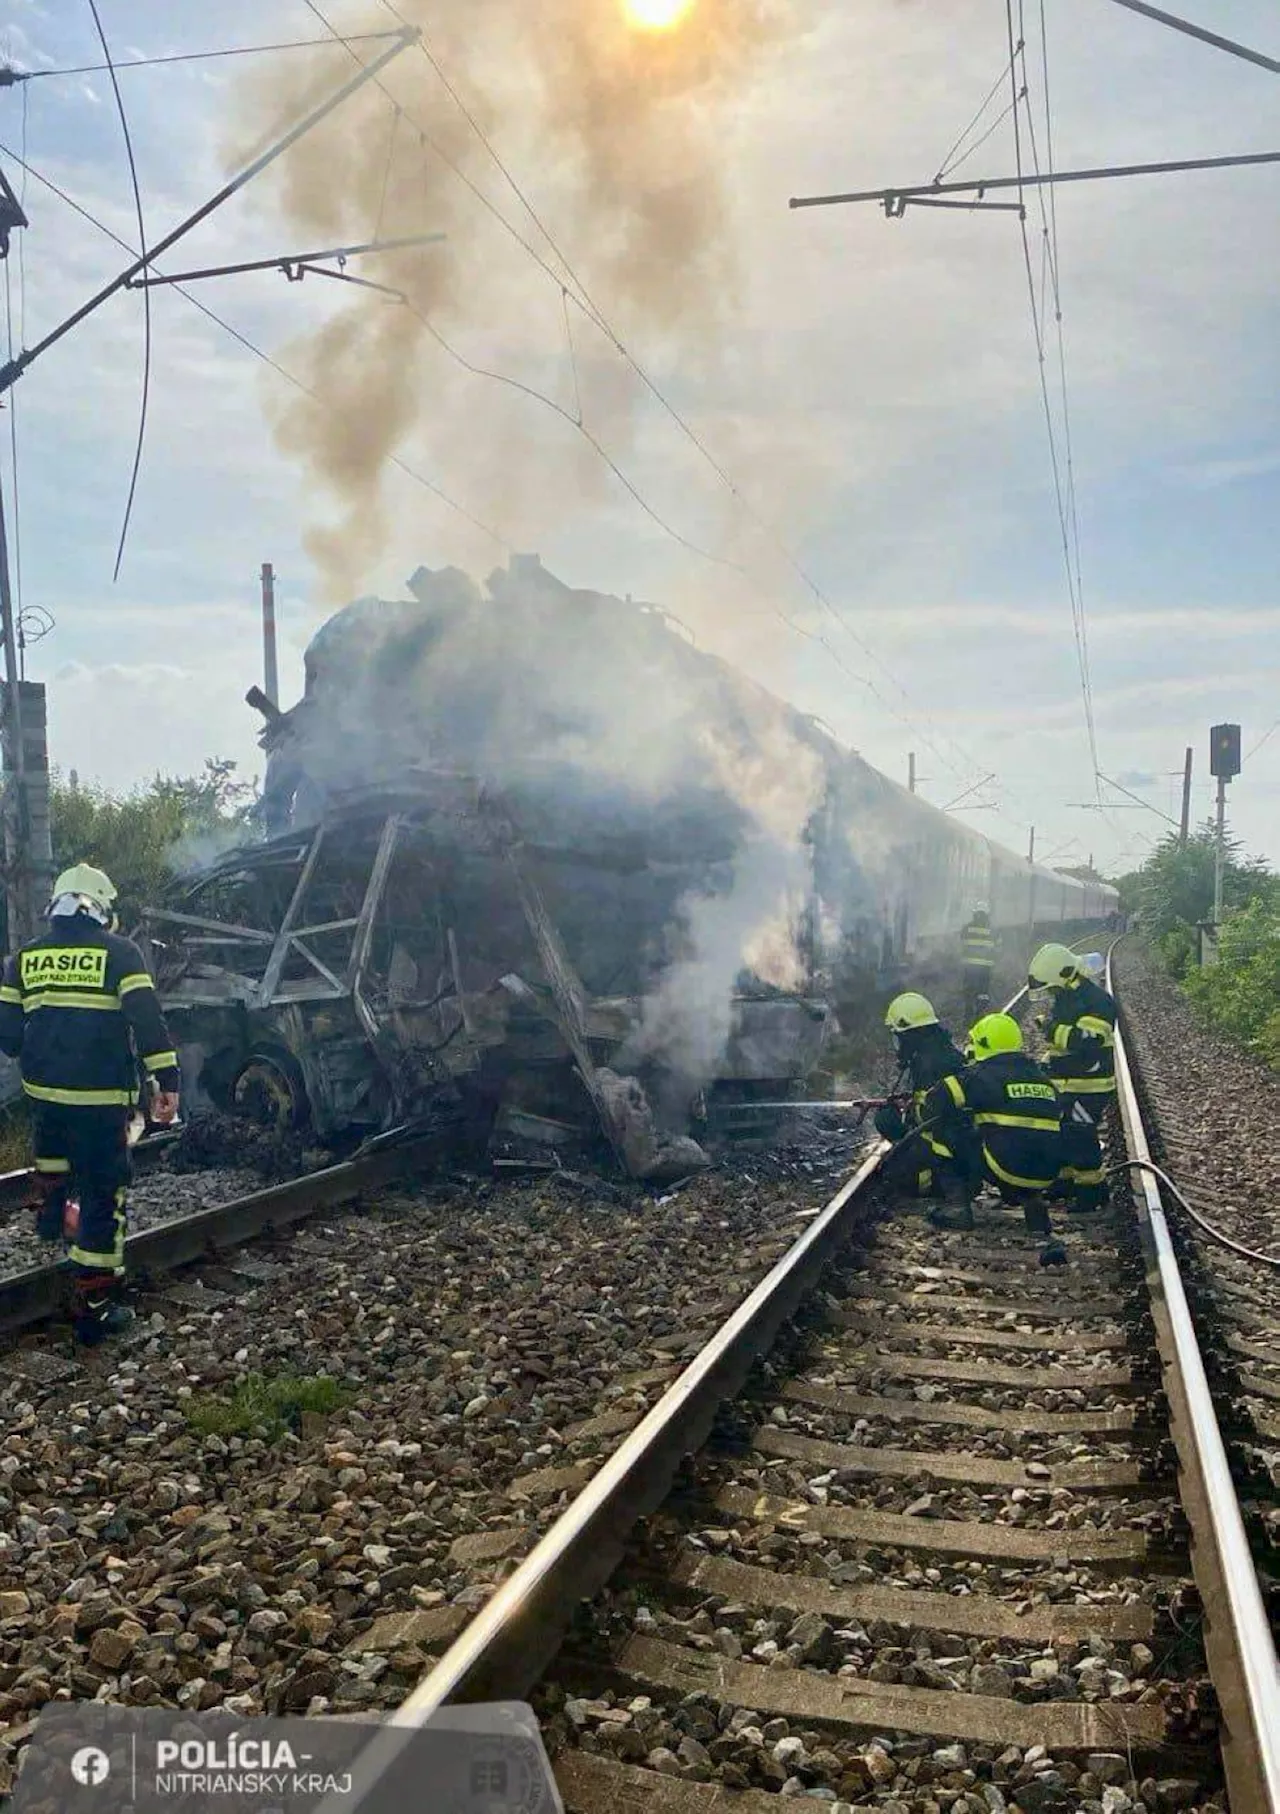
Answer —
37 1294
1238 1641
16 1187
507 1645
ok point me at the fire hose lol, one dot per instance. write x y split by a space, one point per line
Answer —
1201 1222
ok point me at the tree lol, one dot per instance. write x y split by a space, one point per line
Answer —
1173 891
143 838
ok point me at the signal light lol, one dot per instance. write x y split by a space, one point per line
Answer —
1224 751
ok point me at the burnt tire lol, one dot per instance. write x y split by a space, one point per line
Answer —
269 1090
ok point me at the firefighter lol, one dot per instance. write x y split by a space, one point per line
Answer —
926 1054
75 1004
1080 1031
1002 1117
978 956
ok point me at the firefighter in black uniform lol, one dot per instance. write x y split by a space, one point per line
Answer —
923 1163
1080 1031
977 958
1002 1118
70 1001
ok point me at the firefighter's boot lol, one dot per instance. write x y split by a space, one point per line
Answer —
1086 1199
956 1220
99 1313
1053 1253
1035 1213
49 1216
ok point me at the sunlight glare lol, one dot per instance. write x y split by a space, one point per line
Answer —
656 15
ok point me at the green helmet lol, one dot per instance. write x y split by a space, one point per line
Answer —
1052 967
908 1011
992 1034
82 886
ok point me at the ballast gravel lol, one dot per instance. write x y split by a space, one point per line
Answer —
487 1338
1213 1107
154 1197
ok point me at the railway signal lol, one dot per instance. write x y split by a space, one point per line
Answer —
1224 766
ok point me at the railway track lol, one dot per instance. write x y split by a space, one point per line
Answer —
919 1528
157 1255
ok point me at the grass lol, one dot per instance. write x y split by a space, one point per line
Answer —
266 1407
15 1138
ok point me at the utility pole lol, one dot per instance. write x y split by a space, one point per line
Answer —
1224 766
20 907
1184 824
27 853
1031 890
911 773
270 672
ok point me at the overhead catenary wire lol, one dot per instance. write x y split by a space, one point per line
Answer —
9 76
1016 51
1049 219
955 156
1266 737
146 294
386 171
495 535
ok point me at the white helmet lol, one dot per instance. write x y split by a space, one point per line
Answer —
83 889
1053 967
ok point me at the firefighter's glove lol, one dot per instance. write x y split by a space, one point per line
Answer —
889 1123
164 1107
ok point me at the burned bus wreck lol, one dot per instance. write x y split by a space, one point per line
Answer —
416 955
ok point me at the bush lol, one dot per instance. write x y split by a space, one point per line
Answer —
1240 994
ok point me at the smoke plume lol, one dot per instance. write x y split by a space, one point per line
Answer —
618 137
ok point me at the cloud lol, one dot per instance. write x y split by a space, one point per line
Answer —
873 394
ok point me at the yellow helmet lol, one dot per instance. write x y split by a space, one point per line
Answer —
908 1011
82 886
1052 967
993 1033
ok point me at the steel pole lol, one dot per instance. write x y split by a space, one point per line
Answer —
1219 850
21 919
1184 824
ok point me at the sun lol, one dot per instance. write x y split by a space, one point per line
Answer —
656 15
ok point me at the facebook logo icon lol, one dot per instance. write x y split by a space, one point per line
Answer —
90 1766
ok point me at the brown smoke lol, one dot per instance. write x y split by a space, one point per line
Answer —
619 138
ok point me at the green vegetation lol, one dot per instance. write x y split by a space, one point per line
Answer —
1173 892
140 838
1239 995
266 1407
16 1152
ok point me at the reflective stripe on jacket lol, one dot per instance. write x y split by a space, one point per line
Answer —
978 943
74 1003
1081 1032
1009 1109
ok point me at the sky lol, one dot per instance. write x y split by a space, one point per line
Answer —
876 494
